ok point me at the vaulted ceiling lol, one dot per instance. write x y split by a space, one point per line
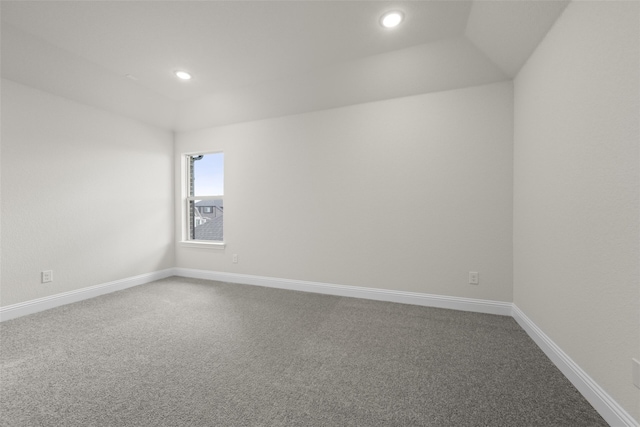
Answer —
258 59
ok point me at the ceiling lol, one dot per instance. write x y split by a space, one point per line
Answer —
258 59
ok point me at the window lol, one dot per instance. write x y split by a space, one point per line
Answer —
203 200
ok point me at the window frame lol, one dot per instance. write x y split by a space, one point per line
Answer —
185 198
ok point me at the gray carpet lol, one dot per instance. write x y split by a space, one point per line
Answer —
183 352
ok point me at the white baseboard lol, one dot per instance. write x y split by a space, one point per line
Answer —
454 303
606 406
29 307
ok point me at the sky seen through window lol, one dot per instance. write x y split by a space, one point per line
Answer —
208 174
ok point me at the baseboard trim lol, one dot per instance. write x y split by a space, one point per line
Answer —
33 306
428 300
606 406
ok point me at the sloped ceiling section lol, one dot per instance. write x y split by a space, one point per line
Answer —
433 67
509 31
255 60
32 61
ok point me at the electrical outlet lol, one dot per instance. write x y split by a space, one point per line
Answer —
636 372
235 258
47 276
474 278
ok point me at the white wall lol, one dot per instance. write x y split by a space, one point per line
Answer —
576 211
85 193
405 194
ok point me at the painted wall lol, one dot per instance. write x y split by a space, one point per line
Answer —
405 194
576 209
85 193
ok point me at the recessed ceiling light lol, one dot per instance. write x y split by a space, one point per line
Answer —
391 19
183 75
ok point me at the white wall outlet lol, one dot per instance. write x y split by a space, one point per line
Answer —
474 278
235 258
47 276
636 372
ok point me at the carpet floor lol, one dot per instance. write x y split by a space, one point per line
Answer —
186 352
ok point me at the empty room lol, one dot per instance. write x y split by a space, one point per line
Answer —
320 213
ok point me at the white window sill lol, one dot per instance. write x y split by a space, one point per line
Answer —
202 244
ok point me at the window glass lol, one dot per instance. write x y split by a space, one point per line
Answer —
205 193
206 220
208 175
